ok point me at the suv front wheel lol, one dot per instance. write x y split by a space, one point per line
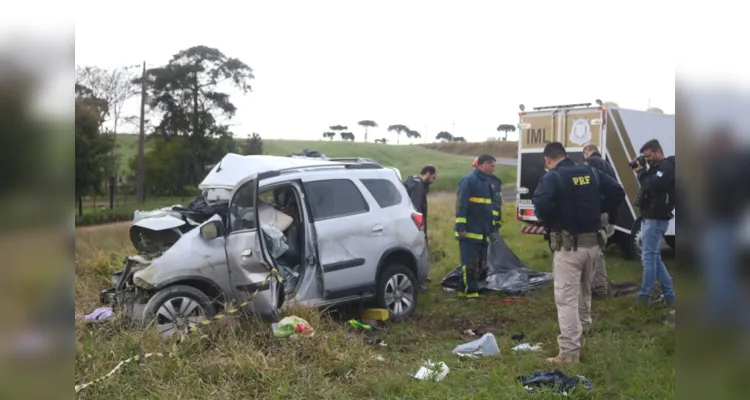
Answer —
398 292
175 309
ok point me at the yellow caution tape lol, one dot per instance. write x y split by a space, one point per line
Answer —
274 273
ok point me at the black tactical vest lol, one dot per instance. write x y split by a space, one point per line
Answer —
578 200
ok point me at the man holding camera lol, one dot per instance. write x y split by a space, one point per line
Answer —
656 200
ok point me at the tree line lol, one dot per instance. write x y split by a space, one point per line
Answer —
185 113
185 116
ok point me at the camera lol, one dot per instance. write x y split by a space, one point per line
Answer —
640 160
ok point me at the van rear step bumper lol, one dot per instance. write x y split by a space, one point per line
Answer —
532 230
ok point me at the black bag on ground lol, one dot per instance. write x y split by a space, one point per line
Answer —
505 272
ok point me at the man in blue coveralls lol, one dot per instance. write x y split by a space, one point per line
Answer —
475 223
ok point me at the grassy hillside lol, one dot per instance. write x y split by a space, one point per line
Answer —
408 159
496 148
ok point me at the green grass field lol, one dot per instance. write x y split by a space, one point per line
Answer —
629 354
408 159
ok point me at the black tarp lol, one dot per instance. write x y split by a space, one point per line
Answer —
504 272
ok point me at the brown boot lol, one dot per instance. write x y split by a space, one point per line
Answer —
563 360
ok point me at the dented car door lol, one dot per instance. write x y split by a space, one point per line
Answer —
248 270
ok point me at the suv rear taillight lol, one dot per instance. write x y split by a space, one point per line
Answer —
418 219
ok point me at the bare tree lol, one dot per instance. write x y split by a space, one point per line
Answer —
113 86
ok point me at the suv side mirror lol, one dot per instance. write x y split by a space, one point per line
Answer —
212 230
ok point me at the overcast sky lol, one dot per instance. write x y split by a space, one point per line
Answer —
425 64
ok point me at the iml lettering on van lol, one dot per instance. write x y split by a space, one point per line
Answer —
581 180
536 136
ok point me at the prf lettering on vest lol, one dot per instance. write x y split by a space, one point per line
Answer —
536 136
581 180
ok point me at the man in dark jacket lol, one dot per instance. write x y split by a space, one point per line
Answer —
593 158
475 223
418 186
656 200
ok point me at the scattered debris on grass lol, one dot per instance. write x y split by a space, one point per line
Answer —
432 371
670 319
519 337
482 347
374 341
528 347
359 325
100 314
556 380
290 326
375 314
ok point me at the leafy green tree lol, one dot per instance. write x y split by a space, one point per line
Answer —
337 128
399 129
92 149
329 135
166 166
505 128
254 145
186 93
446 136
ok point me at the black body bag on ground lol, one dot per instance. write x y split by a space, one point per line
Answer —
504 273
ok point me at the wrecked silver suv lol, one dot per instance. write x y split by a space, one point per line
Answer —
338 231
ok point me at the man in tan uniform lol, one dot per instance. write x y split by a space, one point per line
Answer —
592 157
569 200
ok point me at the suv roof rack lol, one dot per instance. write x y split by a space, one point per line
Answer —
351 162
562 106
359 163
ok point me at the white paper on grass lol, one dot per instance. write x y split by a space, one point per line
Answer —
432 371
527 347
485 346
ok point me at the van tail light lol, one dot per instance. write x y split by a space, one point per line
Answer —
418 219
526 212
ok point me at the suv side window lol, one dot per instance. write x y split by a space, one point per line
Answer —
334 198
384 192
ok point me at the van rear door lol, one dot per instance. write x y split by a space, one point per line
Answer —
536 129
570 125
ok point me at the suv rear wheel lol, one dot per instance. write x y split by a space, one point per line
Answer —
398 292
